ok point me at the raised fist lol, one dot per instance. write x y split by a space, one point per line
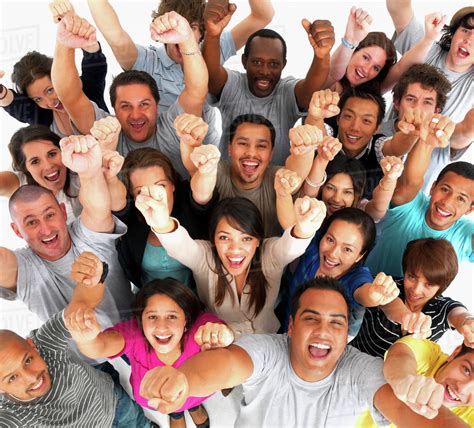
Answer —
75 32
106 131
309 213
286 182
323 104
304 139
81 154
170 28
392 167
329 148
358 25
213 335
59 8
217 15
111 163
190 129
321 36
205 158
434 23
87 269
152 202
383 290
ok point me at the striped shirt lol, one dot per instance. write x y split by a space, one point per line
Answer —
80 396
378 333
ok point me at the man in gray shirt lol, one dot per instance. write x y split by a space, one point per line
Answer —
306 378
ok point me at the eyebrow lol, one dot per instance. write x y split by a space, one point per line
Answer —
156 182
154 310
335 315
22 363
354 112
408 94
33 216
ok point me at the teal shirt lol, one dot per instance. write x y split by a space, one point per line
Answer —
405 223
156 264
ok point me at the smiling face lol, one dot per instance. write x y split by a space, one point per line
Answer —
43 162
163 323
234 247
23 373
365 64
42 224
417 96
418 290
318 333
152 175
173 50
136 110
451 198
340 249
338 192
250 152
460 56
457 377
264 65
357 124
41 91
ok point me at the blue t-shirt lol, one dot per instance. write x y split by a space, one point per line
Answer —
405 223
352 280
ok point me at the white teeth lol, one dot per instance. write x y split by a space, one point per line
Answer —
235 259
250 163
360 74
452 394
442 212
50 239
38 385
330 263
353 137
52 174
163 337
320 346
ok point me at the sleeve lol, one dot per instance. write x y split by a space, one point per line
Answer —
409 37
356 278
53 334
427 353
25 110
266 351
146 57
131 335
94 72
232 88
9 420
227 46
378 147
97 240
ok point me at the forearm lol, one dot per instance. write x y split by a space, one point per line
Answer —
315 177
118 194
25 110
400 362
463 134
399 145
96 202
64 75
285 212
301 164
261 11
202 187
381 196
217 73
338 65
186 151
314 81
457 317
118 39
89 297
363 296
395 310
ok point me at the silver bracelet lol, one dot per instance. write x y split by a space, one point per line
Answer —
312 184
198 52
347 44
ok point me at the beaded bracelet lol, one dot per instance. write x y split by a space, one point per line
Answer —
347 44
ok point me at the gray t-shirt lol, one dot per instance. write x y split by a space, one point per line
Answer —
275 396
165 139
46 286
280 108
461 97
80 396
263 196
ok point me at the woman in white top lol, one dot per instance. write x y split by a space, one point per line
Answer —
237 272
36 159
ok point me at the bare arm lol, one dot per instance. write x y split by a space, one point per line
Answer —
321 37
463 134
73 32
9 271
118 39
82 155
401 13
9 182
261 14
380 292
112 164
286 182
463 322
203 182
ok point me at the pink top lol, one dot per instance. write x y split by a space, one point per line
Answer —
143 357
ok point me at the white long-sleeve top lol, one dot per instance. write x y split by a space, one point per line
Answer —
197 255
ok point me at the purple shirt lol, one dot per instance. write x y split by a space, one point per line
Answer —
143 357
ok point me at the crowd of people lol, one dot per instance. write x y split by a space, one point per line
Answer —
289 239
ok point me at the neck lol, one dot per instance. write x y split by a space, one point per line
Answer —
170 357
238 182
452 66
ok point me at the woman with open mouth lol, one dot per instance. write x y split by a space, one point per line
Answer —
429 266
237 272
36 159
168 327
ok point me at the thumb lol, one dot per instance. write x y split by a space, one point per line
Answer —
155 402
306 25
232 8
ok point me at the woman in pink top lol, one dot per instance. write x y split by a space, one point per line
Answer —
167 329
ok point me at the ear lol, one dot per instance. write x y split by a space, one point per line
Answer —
359 258
454 354
432 188
15 229
290 326
437 110
62 207
396 105
284 63
243 58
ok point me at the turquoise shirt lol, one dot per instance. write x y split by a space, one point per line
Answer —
156 264
405 223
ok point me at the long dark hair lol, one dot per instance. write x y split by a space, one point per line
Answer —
242 214
30 67
177 292
27 135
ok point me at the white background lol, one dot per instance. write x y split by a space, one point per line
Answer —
27 26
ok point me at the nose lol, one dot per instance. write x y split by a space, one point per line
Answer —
466 388
45 228
355 124
418 288
334 252
250 150
338 196
234 245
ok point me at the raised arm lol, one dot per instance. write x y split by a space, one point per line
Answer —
377 207
433 132
380 292
286 183
82 155
9 182
203 182
358 26
9 271
463 322
401 13
321 38
261 14
73 32
434 23
173 28
167 388
118 39
463 134
216 17
111 165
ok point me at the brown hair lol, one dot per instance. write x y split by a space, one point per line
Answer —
144 158
434 258
428 77
32 66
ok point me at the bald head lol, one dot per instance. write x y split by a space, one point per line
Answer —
7 337
27 193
